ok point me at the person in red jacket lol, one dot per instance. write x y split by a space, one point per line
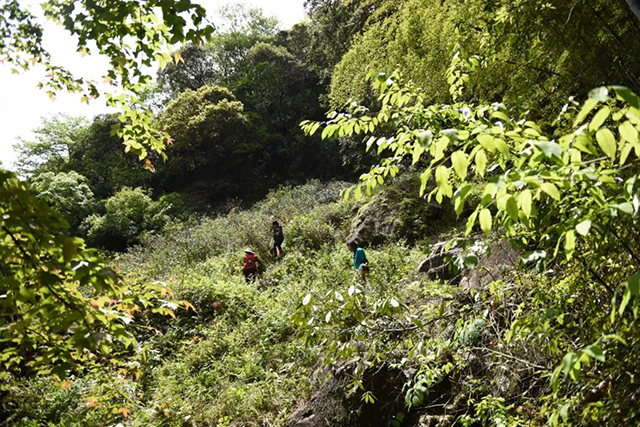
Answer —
250 266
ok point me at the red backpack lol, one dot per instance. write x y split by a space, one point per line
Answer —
250 262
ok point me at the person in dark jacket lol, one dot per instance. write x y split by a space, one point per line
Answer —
276 239
250 265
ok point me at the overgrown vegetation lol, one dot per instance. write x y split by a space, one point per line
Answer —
498 205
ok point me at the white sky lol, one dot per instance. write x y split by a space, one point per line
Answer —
22 104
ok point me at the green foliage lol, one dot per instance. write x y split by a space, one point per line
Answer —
334 25
68 193
221 60
228 235
531 53
213 153
549 180
129 33
97 154
50 151
128 214
62 308
569 190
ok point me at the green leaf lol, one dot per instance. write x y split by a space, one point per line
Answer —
551 190
624 207
599 118
584 227
628 132
460 163
512 208
595 352
485 221
633 284
549 149
487 142
471 261
567 362
69 250
500 115
425 137
607 142
442 181
624 154
417 152
588 105
524 201
460 196
481 162
625 301
470 223
502 146
627 95
424 178
569 242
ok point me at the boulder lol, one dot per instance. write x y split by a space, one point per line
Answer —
398 212
334 405
497 261
373 225
439 265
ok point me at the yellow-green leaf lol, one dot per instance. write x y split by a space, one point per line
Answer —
512 208
625 153
485 221
569 243
599 118
589 104
584 227
487 142
502 146
481 162
470 222
628 132
551 190
524 200
607 142
460 163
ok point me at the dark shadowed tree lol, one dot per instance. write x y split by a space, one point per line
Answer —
98 155
215 153
283 91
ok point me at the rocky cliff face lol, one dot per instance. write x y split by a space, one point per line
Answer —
398 212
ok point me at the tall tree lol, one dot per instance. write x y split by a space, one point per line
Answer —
97 154
219 61
215 153
49 150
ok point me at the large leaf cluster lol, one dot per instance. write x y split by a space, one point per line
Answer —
129 33
61 307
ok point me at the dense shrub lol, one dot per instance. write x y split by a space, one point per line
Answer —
128 214
66 192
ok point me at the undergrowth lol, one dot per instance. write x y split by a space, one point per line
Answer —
250 354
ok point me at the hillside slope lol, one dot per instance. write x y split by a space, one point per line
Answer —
307 345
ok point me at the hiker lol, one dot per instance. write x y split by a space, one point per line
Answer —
360 262
276 239
250 267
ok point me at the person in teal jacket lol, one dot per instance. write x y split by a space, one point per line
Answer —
360 262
